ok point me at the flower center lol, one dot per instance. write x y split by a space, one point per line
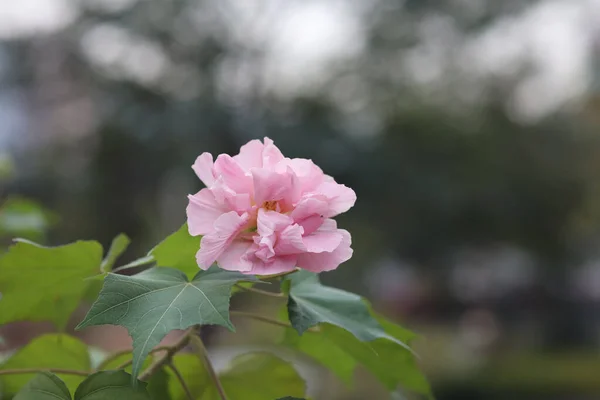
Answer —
270 205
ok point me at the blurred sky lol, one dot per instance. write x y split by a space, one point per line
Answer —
297 42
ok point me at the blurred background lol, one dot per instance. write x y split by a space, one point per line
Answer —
470 130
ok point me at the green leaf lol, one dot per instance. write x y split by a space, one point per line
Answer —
341 352
158 386
24 217
117 247
194 373
47 351
159 300
290 398
311 303
178 251
45 283
111 385
252 376
44 386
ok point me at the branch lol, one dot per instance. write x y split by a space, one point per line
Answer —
259 291
179 377
36 370
282 274
209 367
268 320
117 354
166 358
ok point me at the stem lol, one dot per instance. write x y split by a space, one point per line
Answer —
275 276
259 291
179 377
36 370
268 320
120 353
209 367
259 317
166 358
134 264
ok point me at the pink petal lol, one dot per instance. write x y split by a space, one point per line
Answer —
341 198
310 213
234 258
251 155
275 266
327 261
322 241
290 241
269 222
203 167
309 174
212 245
271 186
233 175
239 202
271 154
202 211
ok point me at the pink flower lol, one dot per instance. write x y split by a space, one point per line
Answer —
262 213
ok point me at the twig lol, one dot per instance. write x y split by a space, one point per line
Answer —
209 367
166 358
259 317
179 377
120 353
36 370
275 276
259 291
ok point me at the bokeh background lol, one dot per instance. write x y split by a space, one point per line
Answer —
470 130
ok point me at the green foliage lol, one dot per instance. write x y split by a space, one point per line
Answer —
178 251
117 247
44 386
159 300
252 376
311 303
349 335
47 352
104 385
45 283
25 218
110 385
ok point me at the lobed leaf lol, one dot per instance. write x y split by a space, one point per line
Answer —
178 251
45 283
252 376
117 247
159 300
44 386
349 335
47 351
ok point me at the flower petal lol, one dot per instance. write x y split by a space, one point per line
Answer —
202 211
235 257
327 261
251 155
233 175
271 186
212 245
340 197
276 265
203 167
271 155
290 241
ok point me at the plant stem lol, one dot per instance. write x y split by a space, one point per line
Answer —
202 353
36 370
268 320
179 377
259 291
275 276
117 354
166 358
259 317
